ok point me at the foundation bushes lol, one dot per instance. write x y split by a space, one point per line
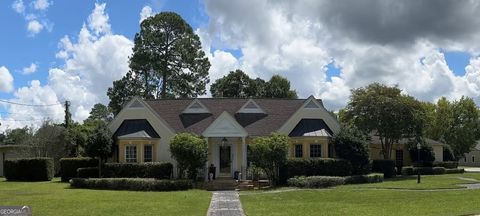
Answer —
454 171
87 172
69 166
156 170
133 184
362 179
387 167
423 170
315 167
29 169
316 181
446 164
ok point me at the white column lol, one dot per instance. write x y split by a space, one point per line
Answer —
244 159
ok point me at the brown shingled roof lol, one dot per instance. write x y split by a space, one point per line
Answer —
278 112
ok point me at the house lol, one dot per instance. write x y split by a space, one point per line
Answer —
472 158
143 128
400 152
10 152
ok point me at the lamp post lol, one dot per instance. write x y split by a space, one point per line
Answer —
418 161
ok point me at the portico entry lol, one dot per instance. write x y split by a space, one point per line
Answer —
227 148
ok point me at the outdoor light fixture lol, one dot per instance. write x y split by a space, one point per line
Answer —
418 161
224 142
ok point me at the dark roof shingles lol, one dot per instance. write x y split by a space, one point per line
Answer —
278 112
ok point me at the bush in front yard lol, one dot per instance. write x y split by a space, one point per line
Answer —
190 151
316 181
423 170
134 184
87 172
446 164
316 167
69 166
156 170
387 167
29 169
454 171
361 179
351 144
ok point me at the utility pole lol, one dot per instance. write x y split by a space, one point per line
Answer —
68 115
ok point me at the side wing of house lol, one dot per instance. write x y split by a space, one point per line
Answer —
311 128
140 134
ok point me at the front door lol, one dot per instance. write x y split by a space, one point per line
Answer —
225 160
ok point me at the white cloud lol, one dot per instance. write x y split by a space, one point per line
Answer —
34 27
145 13
298 40
30 69
41 4
98 20
18 6
91 64
6 80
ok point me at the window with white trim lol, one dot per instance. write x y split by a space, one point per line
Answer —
130 153
315 150
298 150
147 153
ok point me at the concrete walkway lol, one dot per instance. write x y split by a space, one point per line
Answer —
225 203
472 169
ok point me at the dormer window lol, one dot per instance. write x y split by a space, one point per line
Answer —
195 107
251 107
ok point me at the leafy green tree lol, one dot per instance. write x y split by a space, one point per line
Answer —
270 153
279 87
49 141
18 136
238 84
351 144
386 112
167 61
190 151
440 118
464 129
100 145
99 111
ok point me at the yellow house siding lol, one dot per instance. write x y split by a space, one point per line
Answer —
306 142
139 147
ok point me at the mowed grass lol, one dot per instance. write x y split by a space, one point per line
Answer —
56 198
372 199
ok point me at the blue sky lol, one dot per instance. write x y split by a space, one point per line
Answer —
423 51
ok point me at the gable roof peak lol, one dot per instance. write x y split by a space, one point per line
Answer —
251 107
196 107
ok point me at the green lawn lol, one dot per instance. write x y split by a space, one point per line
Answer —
56 198
371 199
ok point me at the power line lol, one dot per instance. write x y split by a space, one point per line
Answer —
33 105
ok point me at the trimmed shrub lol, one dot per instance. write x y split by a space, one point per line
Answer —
134 184
448 154
318 167
156 170
407 170
69 166
316 181
446 164
454 171
423 170
351 144
87 172
29 169
362 179
387 167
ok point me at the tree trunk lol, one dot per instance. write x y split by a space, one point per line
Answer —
99 167
164 84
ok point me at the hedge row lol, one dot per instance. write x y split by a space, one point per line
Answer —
362 179
315 167
87 172
316 181
134 184
387 167
156 170
69 166
423 170
446 164
454 171
29 169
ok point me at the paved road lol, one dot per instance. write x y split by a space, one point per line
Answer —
225 203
